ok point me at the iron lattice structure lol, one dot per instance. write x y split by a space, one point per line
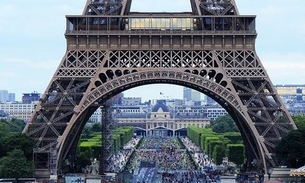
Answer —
110 50
109 123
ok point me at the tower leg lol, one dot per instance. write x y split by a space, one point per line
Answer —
107 142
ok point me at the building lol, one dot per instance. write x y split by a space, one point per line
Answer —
18 110
161 120
134 111
119 98
190 95
290 89
209 112
196 96
291 93
11 97
132 100
96 117
3 114
187 94
213 112
170 102
122 111
28 98
210 101
294 98
297 109
3 96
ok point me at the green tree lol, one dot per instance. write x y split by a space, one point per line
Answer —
11 138
299 121
224 124
96 127
5 129
236 153
17 125
19 141
290 150
219 152
3 133
85 133
15 165
14 125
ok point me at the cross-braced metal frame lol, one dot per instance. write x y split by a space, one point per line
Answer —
110 50
109 124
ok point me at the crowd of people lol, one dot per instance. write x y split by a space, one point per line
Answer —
167 152
191 176
120 159
199 156
173 159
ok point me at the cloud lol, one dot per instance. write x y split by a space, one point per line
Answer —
22 64
46 17
22 75
5 11
285 60
285 68
272 10
6 74
7 8
301 30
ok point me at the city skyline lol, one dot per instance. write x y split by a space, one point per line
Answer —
33 42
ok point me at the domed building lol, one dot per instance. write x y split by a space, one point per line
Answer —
160 106
161 120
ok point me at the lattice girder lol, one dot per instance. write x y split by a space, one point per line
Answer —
214 7
133 78
107 142
208 71
54 111
107 7
265 109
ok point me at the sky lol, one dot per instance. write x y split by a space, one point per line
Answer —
32 41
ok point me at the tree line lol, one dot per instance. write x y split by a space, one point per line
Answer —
291 149
16 150
90 144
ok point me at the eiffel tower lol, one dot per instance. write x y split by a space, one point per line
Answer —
110 50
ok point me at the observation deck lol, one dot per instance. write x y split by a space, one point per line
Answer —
160 31
161 23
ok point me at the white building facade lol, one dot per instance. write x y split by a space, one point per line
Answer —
18 110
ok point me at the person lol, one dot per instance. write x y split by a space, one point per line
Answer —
245 166
253 164
269 173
